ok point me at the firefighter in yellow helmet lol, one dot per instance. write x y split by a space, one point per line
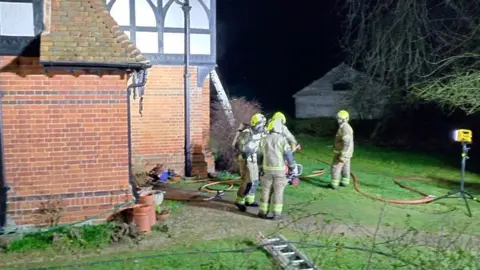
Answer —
343 151
247 146
275 150
280 117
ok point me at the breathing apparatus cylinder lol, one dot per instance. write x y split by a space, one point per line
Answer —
240 128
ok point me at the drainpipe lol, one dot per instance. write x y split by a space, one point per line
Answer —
142 80
4 188
186 12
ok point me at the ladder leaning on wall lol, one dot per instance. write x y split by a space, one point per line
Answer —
222 97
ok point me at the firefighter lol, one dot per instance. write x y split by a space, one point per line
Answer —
275 150
246 144
280 117
343 151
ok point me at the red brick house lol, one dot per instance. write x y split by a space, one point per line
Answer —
69 122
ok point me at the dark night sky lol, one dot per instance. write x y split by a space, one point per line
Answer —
269 50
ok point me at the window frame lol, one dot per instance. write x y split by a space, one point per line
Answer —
160 12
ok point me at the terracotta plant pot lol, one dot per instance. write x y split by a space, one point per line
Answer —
148 199
163 215
175 179
141 217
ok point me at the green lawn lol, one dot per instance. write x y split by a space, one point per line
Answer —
334 252
375 168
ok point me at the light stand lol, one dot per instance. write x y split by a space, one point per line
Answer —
461 193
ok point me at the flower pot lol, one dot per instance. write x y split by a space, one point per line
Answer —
148 199
163 215
141 217
175 179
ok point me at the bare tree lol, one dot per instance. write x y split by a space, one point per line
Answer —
416 44
367 97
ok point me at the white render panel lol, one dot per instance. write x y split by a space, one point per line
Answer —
173 43
147 42
144 14
16 19
198 16
207 3
121 12
200 44
174 17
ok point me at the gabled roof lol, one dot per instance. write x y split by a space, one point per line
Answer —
339 71
83 32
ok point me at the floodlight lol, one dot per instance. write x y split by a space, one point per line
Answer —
462 135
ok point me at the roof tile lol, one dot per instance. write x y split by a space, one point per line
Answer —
83 31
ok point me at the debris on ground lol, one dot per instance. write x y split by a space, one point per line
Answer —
127 234
160 174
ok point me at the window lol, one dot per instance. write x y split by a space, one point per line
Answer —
343 86
156 28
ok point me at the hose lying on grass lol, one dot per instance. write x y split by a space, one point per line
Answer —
426 198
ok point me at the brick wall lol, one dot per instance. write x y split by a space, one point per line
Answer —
158 136
65 137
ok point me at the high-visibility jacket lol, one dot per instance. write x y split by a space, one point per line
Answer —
275 151
343 144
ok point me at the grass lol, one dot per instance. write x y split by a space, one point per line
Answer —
184 256
375 168
327 252
97 236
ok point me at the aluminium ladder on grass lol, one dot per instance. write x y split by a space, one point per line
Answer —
288 256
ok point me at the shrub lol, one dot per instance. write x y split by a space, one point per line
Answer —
222 133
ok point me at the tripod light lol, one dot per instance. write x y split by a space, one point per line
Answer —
463 136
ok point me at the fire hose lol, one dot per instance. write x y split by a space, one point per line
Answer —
426 198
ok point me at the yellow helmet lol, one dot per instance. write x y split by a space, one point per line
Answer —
274 126
257 118
343 115
279 116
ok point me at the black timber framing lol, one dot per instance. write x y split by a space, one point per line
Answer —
160 12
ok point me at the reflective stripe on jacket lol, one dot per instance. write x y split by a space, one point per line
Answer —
275 148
